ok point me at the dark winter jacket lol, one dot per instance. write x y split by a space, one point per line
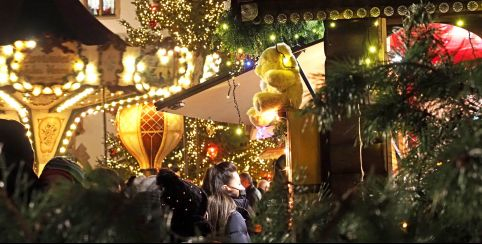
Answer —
237 229
253 195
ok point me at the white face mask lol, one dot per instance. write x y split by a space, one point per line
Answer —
234 188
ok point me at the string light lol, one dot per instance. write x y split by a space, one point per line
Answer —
200 133
211 66
74 100
460 23
239 131
192 25
10 68
21 110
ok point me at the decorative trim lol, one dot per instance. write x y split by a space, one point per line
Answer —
323 11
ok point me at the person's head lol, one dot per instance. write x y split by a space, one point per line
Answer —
280 169
60 170
105 179
176 170
223 178
220 207
18 155
263 185
246 179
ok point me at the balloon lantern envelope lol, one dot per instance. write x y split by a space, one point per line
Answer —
458 43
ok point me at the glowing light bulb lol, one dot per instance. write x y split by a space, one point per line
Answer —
272 37
164 60
18 56
460 23
13 77
161 52
78 66
130 61
7 50
372 49
18 44
80 77
27 86
47 90
239 131
31 44
141 67
75 86
137 78
36 91
332 25
18 86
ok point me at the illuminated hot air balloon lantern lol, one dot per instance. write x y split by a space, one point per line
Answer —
149 135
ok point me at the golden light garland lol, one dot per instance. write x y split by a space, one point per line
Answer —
21 110
10 63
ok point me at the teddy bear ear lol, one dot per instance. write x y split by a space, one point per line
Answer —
283 48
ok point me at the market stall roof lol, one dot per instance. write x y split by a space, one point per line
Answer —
209 100
299 10
64 19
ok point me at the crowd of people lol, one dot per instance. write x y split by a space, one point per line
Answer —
221 209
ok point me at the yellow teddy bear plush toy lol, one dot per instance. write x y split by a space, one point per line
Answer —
282 88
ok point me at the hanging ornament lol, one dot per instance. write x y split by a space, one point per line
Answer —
152 24
212 151
149 135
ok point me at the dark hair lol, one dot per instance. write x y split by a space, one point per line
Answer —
18 156
279 169
217 176
246 176
220 208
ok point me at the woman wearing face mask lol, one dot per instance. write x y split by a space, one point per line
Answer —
223 178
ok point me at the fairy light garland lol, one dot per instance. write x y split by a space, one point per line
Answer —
21 110
12 57
199 133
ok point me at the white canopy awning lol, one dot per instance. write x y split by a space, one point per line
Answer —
214 104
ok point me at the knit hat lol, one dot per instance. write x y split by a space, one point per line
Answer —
61 166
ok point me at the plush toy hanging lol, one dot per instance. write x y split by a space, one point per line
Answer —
282 85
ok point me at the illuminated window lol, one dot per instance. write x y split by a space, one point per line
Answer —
103 7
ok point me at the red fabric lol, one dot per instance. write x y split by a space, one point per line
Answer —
458 42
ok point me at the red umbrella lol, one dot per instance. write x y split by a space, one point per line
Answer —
460 44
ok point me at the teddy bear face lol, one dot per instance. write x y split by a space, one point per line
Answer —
270 59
